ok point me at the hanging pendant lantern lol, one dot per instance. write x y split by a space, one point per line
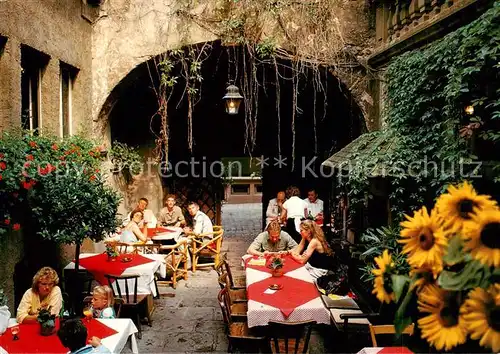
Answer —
233 99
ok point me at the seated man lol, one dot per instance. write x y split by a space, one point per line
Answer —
201 222
271 240
148 217
314 205
275 207
171 215
73 335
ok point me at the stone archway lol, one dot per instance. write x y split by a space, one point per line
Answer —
132 102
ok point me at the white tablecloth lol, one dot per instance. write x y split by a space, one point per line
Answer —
115 343
260 314
146 271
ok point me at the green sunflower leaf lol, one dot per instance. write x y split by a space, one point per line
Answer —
398 284
472 275
454 253
402 318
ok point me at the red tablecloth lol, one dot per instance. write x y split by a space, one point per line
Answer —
30 340
157 230
295 292
289 264
99 265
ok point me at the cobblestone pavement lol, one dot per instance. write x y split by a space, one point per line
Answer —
242 220
188 319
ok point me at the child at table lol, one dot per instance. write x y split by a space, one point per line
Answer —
102 302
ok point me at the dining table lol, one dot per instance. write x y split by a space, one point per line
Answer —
292 297
114 334
144 265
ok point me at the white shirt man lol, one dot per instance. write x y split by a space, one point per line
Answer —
274 207
314 205
201 222
149 216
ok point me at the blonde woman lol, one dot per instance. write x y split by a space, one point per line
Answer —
44 293
313 250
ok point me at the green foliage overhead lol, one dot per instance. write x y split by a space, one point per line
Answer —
427 91
55 188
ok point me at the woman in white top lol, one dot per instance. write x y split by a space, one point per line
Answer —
294 209
131 232
44 293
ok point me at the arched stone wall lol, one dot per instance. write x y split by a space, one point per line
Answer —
127 33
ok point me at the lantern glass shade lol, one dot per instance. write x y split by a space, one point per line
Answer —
469 110
233 99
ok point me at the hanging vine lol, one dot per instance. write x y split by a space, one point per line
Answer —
260 32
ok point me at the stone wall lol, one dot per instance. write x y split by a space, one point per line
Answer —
57 29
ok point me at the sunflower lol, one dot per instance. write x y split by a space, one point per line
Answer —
423 277
457 206
444 327
481 236
382 282
424 240
481 312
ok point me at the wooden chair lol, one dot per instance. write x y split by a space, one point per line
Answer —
146 248
388 329
293 334
131 300
77 285
206 248
237 310
234 282
121 247
238 334
176 258
236 295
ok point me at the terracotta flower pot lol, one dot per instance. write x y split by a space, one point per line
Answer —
277 272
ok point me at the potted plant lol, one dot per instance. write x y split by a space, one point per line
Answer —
4 312
47 321
111 252
276 266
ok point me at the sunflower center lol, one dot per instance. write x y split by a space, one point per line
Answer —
449 316
490 235
494 318
426 240
387 283
465 207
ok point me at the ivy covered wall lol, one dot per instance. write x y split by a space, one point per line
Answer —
434 141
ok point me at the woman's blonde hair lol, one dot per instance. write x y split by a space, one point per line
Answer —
45 272
316 232
106 292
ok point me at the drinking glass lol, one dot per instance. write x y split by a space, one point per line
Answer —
88 313
15 331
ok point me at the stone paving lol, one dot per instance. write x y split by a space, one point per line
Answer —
188 319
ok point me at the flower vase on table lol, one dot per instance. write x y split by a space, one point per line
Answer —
47 321
111 252
276 266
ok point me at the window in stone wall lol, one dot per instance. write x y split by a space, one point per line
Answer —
258 188
33 63
67 77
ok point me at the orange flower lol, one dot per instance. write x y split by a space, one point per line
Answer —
92 178
2 156
30 157
32 144
55 147
3 166
16 227
7 222
1 177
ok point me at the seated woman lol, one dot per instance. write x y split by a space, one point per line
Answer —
313 249
44 293
131 232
